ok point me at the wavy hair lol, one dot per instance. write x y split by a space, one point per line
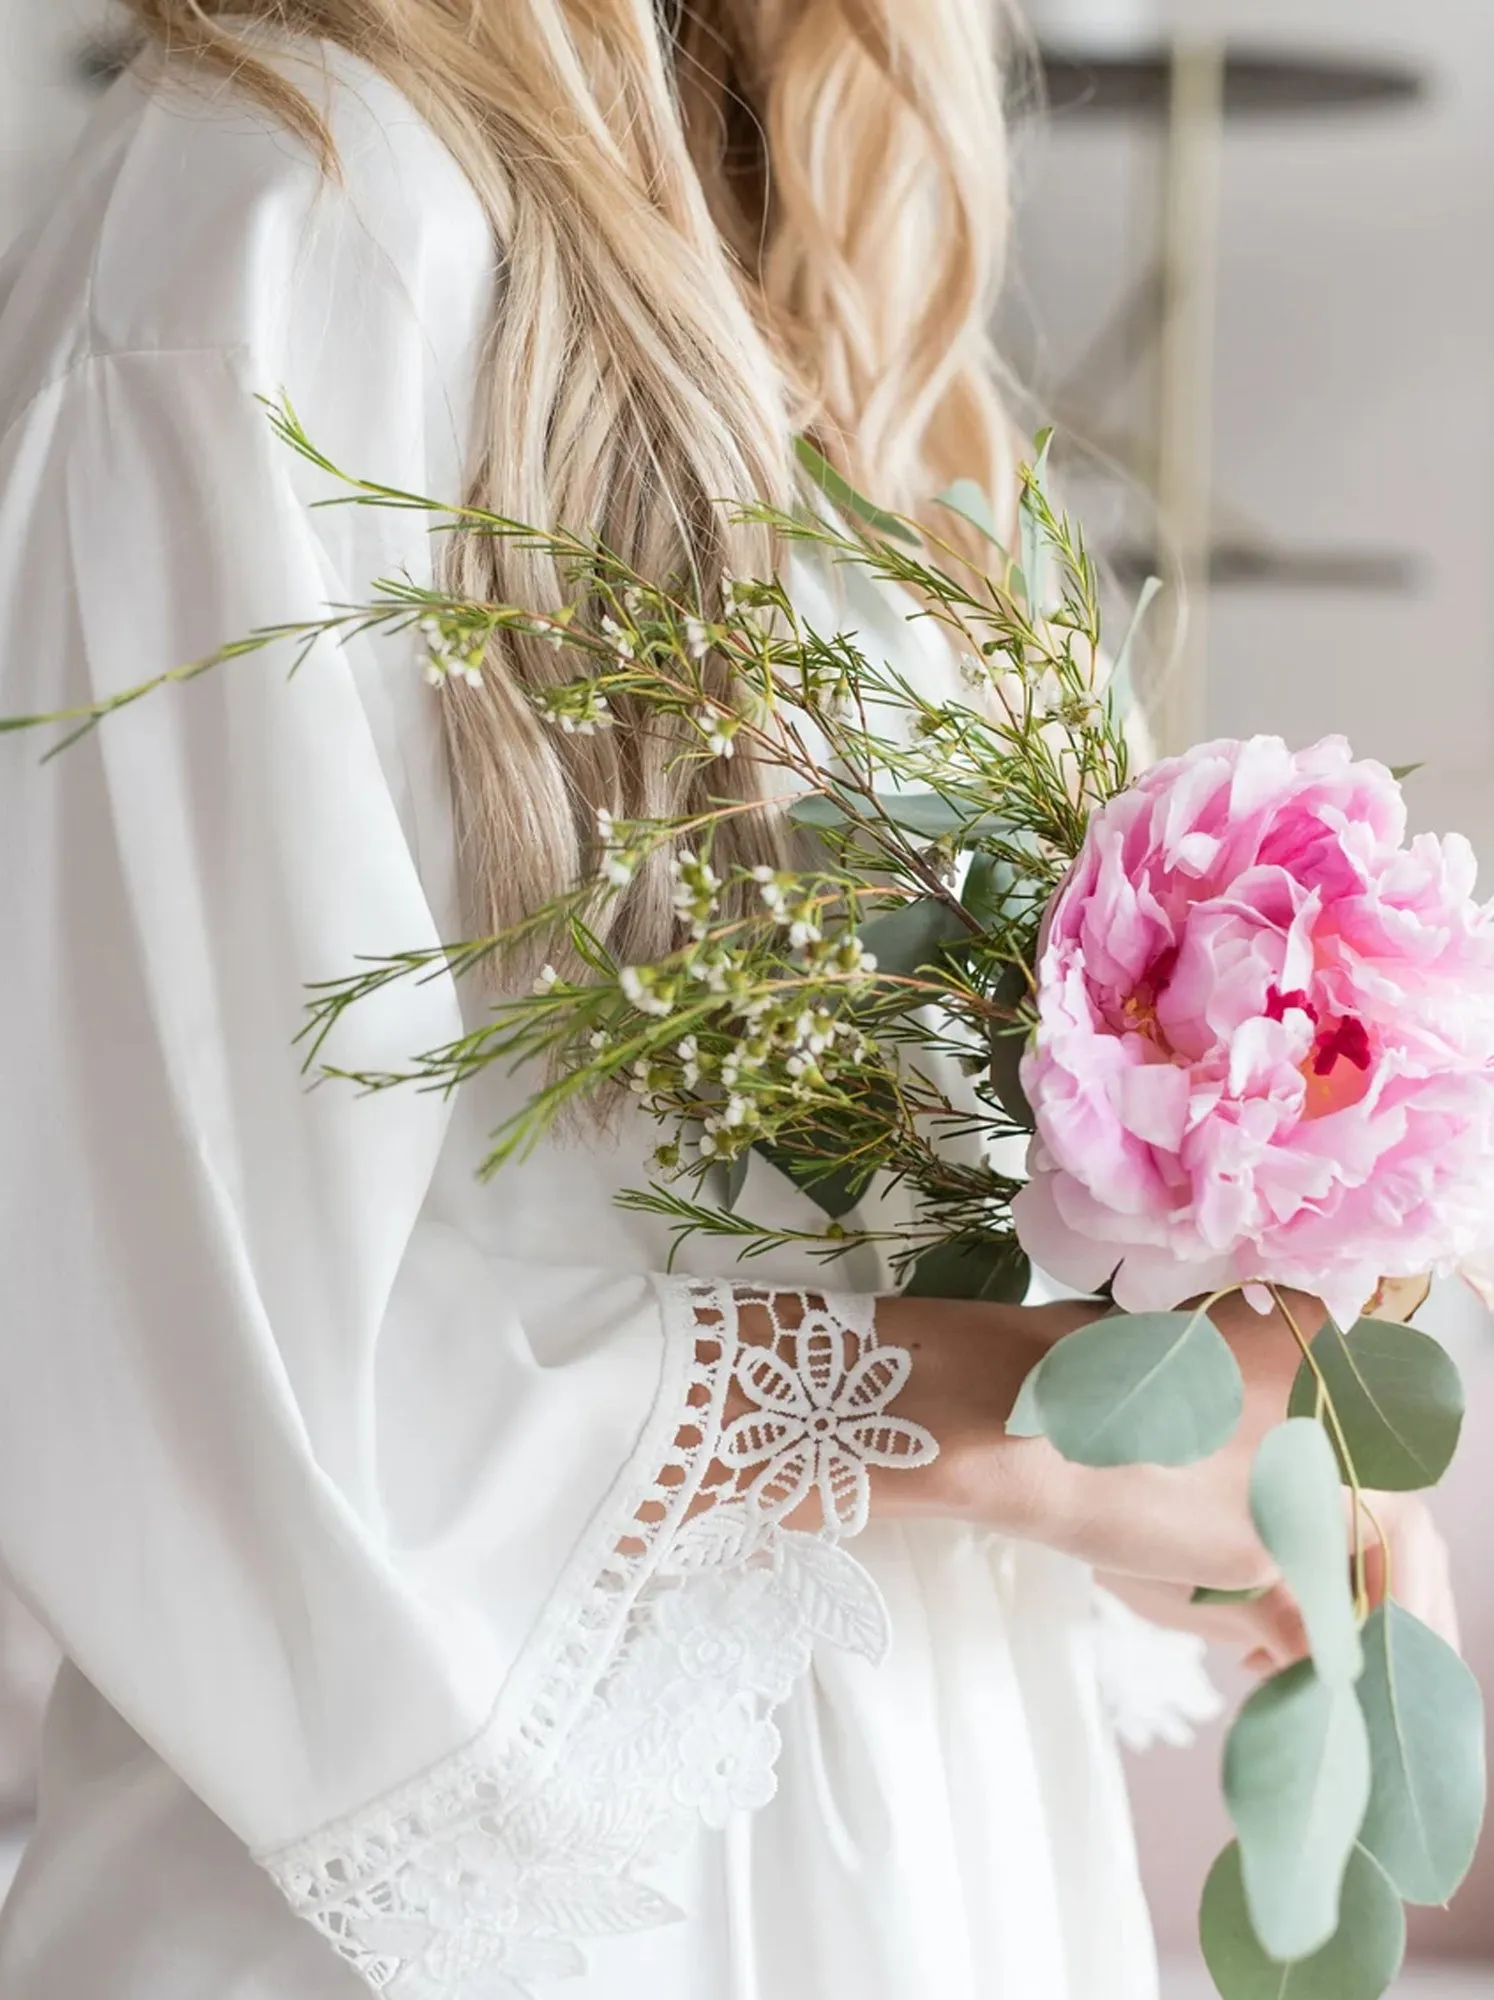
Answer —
721 222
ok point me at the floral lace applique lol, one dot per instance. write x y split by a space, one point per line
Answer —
694 1609
821 1424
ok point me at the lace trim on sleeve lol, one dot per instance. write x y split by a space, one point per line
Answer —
648 1709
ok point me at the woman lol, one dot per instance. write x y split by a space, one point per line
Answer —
393 1525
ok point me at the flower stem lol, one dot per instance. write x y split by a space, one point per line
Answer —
1325 1406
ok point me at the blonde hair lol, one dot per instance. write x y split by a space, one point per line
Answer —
758 217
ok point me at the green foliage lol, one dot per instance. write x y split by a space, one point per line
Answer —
1008 1046
804 1014
944 827
1426 1731
969 499
928 814
1297 1761
1135 1389
1031 519
910 941
842 494
1296 1781
1398 1399
1298 1511
986 1268
1359 1962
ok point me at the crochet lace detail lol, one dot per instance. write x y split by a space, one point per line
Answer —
648 1708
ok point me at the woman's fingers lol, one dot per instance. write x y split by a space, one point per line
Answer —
1278 1628
1412 1564
1267 1630
1406 1558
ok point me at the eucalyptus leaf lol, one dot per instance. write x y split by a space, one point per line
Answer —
912 938
929 814
969 499
1007 1051
989 885
736 1178
1400 772
839 491
1360 1961
1399 1399
1203 1595
821 810
1426 1730
1135 1389
1297 1505
998 1271
1296 1782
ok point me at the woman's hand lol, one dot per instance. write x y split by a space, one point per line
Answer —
1183 1526
1157 1532
1412 1564
1268 1631
1191 1525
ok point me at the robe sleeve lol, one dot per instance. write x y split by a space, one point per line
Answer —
453 1741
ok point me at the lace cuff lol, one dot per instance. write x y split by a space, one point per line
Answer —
646 1705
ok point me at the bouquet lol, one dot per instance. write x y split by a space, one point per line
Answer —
1243 1028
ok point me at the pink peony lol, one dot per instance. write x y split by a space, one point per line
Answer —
1265 1043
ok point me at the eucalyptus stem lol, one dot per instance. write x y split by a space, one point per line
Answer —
1384 1540
1346 1457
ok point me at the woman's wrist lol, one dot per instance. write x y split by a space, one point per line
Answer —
968 1362
970 1359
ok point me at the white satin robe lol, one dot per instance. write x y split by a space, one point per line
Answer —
315 1453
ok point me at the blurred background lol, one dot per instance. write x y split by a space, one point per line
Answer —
1254 279
1254 276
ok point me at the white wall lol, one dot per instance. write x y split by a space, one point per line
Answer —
1356 379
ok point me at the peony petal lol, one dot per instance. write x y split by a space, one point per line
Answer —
1073 1259
1345 1294
1183 1130
1477 1272
1152 1280
1195 854
1151 1101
